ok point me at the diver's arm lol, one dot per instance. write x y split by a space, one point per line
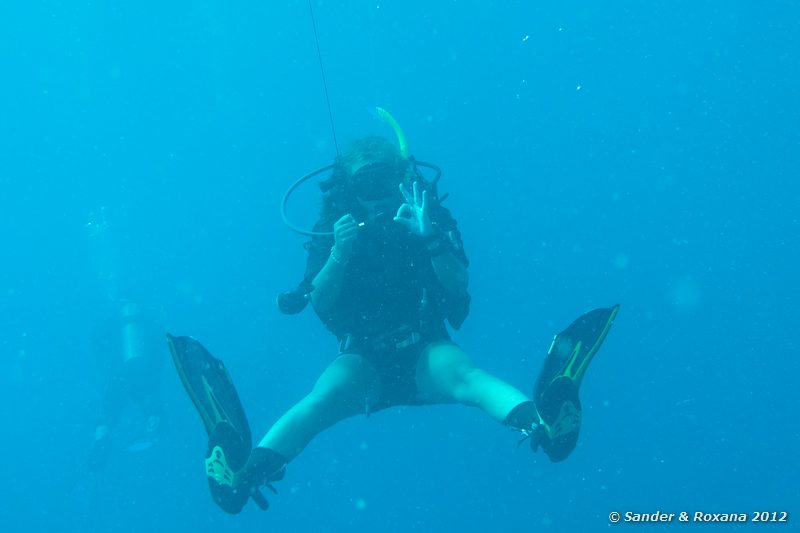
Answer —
328 282
452 274
450 269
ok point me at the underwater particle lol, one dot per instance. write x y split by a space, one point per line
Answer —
361 504
525 39
621 261
363 446
578 88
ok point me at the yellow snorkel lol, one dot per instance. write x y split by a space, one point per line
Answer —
398 131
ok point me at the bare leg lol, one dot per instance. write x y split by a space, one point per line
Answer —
446 374
343 390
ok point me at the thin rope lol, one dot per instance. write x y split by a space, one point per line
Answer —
324 82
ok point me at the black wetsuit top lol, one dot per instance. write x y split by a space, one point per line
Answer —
389 282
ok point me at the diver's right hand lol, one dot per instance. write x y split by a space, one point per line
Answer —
345 231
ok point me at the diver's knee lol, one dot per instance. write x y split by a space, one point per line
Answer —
336 402
344 384
464 382
473 377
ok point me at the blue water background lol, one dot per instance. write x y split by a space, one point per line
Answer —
595 152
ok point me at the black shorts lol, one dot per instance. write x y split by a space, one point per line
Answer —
395 360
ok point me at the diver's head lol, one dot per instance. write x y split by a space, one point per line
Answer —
373 169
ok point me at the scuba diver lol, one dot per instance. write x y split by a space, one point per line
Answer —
131 345
386 270
128 346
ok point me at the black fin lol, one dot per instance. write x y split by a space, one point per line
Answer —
556 390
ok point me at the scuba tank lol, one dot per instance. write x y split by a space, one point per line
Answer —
134 341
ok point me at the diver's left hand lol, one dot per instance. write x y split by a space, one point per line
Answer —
413 214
